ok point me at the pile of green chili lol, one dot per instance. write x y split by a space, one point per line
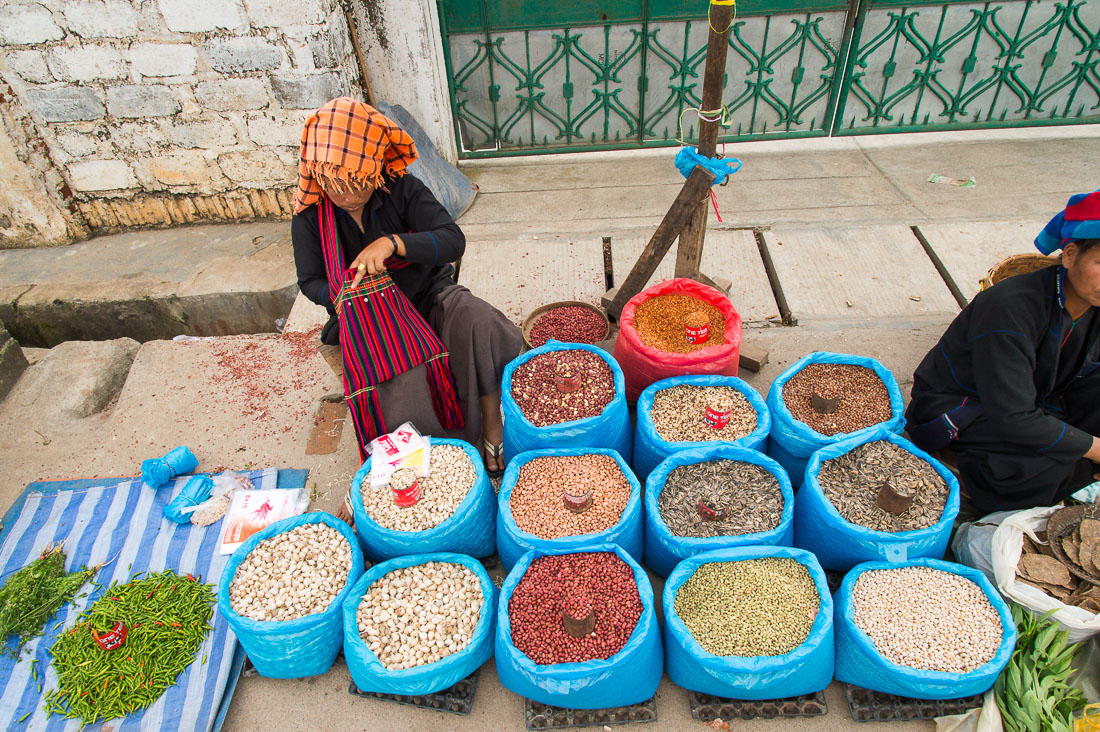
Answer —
166 617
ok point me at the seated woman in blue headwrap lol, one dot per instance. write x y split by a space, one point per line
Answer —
1014 384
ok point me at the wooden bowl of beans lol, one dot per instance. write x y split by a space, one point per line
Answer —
569 321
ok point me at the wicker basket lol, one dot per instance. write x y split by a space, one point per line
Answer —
1015 265
531 319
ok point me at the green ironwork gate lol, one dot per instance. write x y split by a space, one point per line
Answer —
530 77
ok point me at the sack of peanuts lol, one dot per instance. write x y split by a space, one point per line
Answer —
451 509
875 497
577 629
715 498
674 328
691 412
824 398
419 624
282 592
925 629
749 623
564 395
568 499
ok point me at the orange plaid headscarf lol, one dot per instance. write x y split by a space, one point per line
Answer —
350 142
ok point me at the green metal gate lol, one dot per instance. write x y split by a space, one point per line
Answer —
530 77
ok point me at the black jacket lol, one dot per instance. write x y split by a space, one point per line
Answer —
1011 349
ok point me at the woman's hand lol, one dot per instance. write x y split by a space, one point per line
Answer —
372 259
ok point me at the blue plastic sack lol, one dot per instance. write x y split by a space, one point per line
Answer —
291 649
197 490
155 472
611 428
470 530
368 672
805 670
630 676
859 663
838 544
650 448
513 542
664 550
793 441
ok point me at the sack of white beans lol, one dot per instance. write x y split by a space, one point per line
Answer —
455 511
281 593
419 624
539 509
692 412
925 629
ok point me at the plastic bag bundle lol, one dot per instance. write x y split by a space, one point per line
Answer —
291 649
793 441
644 364
650 448
858 662
155 472
628 677
839 544
805 670
469 530
196 491
664 550
611 428
368 672
513 542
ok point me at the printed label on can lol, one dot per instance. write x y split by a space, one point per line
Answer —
717 419
406 497
115 638
697 334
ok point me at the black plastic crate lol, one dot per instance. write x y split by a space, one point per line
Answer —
875 706
707 708
458 699
545 716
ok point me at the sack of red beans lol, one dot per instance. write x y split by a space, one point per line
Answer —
793 440
644 364
650 448
549 600
565 395
664 549
806 669
536 516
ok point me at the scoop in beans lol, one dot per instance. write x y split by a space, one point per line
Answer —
418 615
679 414
540 400
537 504
926 618
292 574
569 324
451 476
864 399
660 323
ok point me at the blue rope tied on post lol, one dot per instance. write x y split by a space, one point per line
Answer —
688 158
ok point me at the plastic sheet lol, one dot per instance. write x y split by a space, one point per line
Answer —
291 649
664 550
838 544
155 472
512 542
194 492
859 663
650 448
470 530
628 677
368 672
805 670
611 428
793 441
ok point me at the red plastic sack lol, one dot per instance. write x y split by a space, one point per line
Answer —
643 365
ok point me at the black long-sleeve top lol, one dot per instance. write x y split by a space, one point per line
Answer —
432 241
1014 349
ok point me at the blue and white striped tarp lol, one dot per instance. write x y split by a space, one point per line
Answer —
119 520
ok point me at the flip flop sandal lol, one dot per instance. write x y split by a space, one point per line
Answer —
496 452
349 508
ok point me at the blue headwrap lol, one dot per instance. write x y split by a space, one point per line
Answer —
1080 220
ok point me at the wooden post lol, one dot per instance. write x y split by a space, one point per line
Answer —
690 250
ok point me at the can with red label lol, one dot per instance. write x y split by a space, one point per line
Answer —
406 487
114 638
696 327
718 411
567 378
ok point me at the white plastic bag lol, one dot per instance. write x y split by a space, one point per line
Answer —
986 718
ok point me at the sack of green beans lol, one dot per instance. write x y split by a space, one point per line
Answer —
690 412
924 628
455 511
577 628
825 398
282 592
875 496
419 624
564 395
568 498
715 498
749 623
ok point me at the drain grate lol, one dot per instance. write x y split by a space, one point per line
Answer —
545 716
708 708
458 699
875 706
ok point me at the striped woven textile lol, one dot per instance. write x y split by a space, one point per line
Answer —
381 336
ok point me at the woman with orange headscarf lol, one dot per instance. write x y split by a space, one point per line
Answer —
375 247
